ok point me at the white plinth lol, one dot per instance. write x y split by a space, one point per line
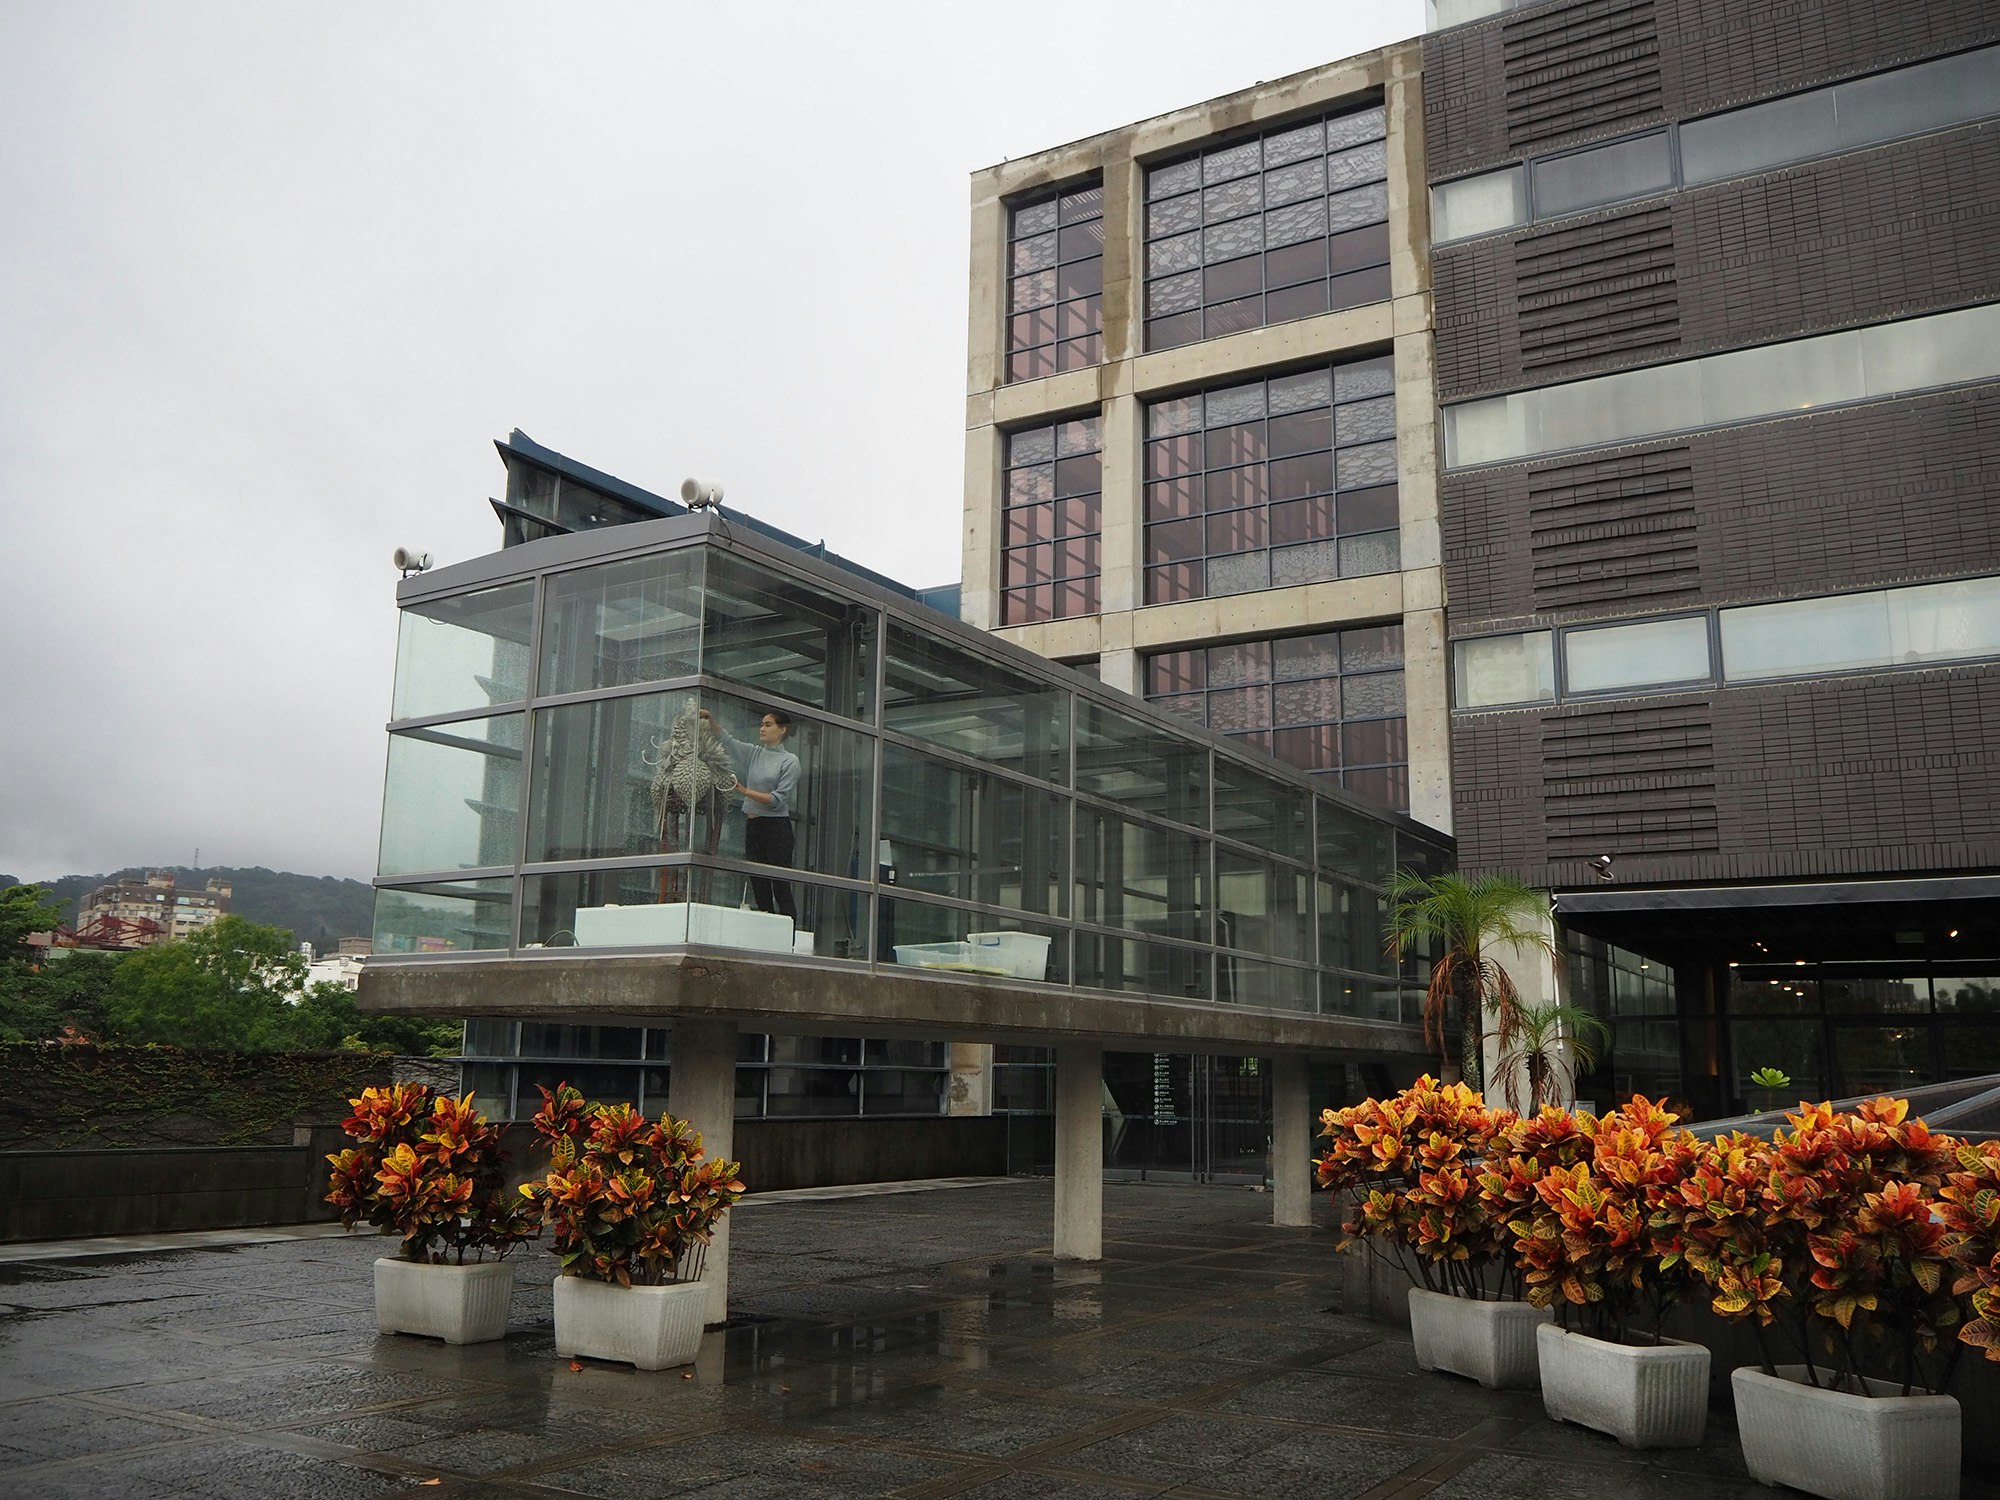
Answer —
679 922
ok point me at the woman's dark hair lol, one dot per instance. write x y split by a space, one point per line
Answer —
780 717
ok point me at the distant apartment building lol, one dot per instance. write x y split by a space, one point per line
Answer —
341 967
137 913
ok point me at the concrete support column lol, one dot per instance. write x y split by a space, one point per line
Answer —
701 1089
1291 1143
1079 1151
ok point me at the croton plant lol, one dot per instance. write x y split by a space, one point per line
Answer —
430 1168
1865 1239
631 1200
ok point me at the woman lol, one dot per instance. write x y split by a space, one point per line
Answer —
767 774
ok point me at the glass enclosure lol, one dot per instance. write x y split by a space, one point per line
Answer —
715 744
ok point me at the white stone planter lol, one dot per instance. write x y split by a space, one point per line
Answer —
653 1327
1846 1446
1645 1395
1493 1342
459 1304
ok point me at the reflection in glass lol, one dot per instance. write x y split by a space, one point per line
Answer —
1139 877
1792 1047
772 634
1261 810
1262 906
1268 986
1643 655
1105 962
1881 1059
443 916
1139 765
958 832
468 651
1603 174
622 622
939 692
594 769
451 797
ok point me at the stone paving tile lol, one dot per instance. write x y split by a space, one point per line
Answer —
923 1345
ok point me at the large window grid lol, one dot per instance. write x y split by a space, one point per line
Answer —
1940 94
777 1077
1283 225
1842 1030
1050 559
912 691
1831 635
1331 703
1273 482
1055 284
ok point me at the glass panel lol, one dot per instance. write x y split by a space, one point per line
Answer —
595 768
468 651
451 798
1792 1047
1603 174
1881 1059
1479 205
1666 398
1929 96
1141 878
774 635
1944 621
1133 966
1764 135
1260 810
1797 376
1922 353
1351 923
622 623
1970 1051
948 696
1504 669
1893 995
1245 981
1805 636
824 791
444 917
1968 996
965 834
1625 656
920 935
1351 995
1136 764
1262 906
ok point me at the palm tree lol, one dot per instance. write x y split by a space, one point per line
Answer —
1462 921
1539 1032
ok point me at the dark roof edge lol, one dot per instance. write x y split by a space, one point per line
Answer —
1817 893
521 445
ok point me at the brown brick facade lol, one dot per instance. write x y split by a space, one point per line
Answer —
1898 231
1891 492
1540 79
1838 778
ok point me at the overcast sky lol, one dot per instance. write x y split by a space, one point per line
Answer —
273 276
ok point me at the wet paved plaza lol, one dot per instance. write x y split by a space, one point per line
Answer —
916 1344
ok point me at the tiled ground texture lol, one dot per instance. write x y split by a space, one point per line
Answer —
916 1344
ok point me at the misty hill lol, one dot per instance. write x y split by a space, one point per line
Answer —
316 909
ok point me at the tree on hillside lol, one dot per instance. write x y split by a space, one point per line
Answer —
226 987
25 909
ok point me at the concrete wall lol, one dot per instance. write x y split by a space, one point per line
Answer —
80 1194
76 1194
1126 628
